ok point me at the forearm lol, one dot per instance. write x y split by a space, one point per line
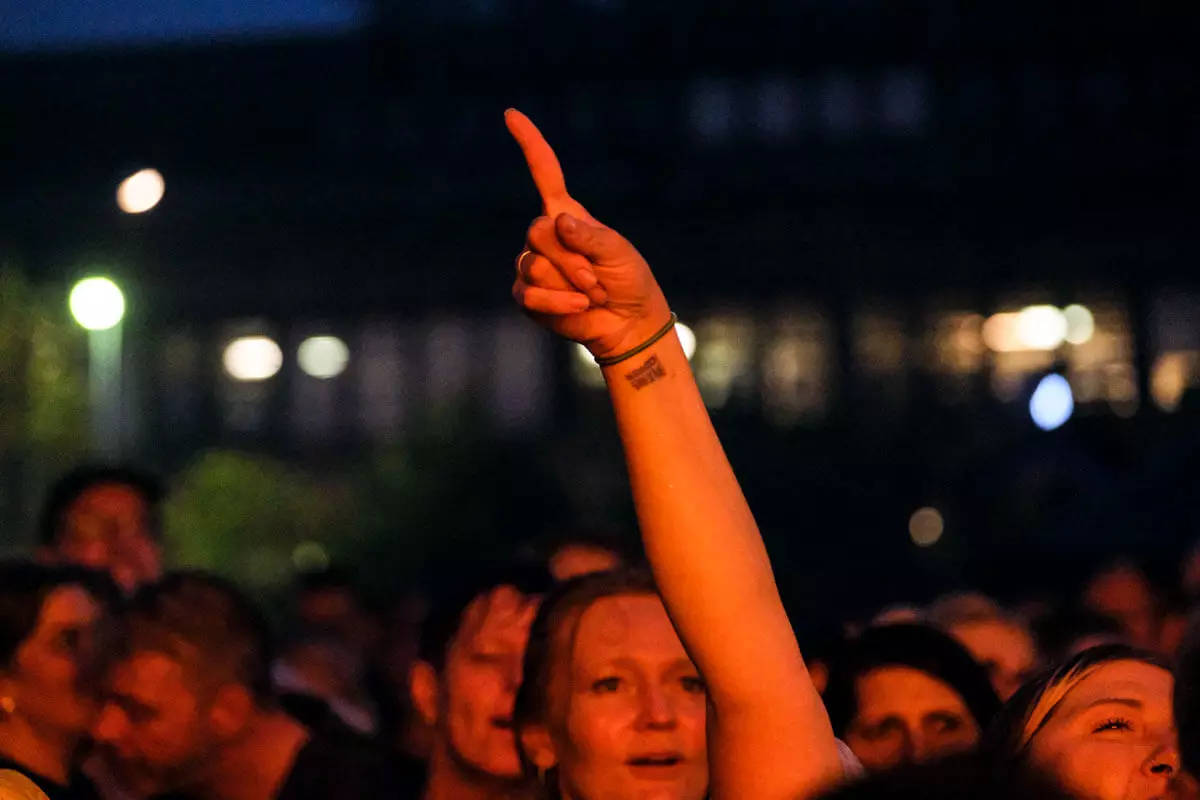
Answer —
700 536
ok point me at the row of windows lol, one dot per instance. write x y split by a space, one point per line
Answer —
782 364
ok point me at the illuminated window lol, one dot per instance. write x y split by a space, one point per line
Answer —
711 111
520 374
904 102
796 368
724 358
381 380
841 104
778 109
449 361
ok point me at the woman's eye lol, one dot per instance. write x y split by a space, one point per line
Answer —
605 685
1114 724
693 685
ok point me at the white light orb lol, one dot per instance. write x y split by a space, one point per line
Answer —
323 357
141 191
1081 325
253 358
687 338
1041 327
1052 403
926 527
97 304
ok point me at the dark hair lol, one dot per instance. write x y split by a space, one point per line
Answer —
207 623
331 579
1023 716
71 486
563 606
1058 634
1187 699
445 618
24 587
959 777
919 647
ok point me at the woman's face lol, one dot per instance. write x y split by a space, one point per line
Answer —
1113 735
632 724
51 683
908 716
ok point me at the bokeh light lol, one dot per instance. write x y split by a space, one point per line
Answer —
1052 402
97 304
141 191
253 358
1081 325
323 357
926 527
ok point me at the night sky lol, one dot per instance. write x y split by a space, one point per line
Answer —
49 25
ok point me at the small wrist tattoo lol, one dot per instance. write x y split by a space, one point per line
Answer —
649 372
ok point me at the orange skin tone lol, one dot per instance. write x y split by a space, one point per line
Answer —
587 283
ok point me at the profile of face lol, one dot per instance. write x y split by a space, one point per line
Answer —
1113 735
154 732
575 560
107 528
471 702
627 708
906 715
1125 595
52 683
1003 648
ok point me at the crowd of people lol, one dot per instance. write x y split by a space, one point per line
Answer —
585 673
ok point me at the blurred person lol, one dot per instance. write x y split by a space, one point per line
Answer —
190 709
402 725
1101 725
319 679
1001 643
611 705
581 553
969 776
332 600
1064 635
1122 592
51 656
905 693
1176 609
465 679
769 737
105 518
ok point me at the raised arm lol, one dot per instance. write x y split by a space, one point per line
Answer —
770 737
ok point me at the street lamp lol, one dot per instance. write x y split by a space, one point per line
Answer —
98 306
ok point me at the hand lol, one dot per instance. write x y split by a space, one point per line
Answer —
584 280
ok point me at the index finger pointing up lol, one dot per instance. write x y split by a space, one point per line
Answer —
543 164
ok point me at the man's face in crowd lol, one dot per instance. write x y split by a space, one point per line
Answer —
107 528
155 730
477 687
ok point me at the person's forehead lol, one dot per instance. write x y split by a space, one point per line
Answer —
68 606
147 675
626 626
499 617
1121 680
109 498
906 687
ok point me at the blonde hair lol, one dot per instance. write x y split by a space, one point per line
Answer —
1031 709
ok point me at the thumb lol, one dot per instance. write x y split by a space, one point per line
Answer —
596 242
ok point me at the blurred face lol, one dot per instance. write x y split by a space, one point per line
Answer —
1113 736
1125 595
1004 649
152 730
630 721
108 529
52 682
573 561
480 681
908 716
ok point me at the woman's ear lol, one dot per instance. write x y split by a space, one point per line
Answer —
423 688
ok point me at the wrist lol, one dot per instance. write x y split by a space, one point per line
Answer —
644 344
